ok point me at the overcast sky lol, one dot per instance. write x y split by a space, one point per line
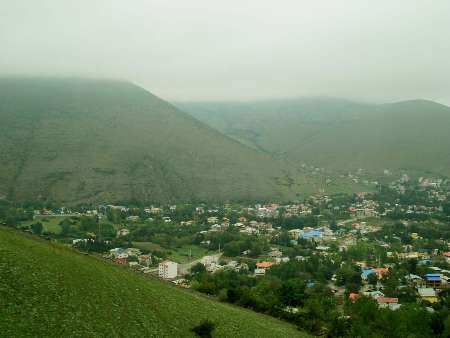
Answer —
237 49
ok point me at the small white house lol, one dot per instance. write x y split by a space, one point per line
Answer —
168 269
123 232
260 272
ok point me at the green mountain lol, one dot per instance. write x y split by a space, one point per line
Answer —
340 135
78 140
48 290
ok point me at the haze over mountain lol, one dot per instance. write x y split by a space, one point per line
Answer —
77 140
338 134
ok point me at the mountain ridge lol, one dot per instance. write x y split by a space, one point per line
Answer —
338 134
76 140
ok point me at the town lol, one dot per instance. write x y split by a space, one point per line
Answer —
305 262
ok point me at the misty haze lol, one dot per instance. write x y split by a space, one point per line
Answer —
224 168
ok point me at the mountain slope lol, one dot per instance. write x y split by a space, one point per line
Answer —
77 140
47 290
338 134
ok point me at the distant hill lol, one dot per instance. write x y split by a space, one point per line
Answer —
340 135
78 140
47 290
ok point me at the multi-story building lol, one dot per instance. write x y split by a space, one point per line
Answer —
168 270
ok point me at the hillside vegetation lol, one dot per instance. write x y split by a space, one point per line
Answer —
47 290
338 134
78 140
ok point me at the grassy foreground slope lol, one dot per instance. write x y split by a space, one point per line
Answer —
79 140
47 290
338 134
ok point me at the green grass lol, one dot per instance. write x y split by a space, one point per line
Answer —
148 246
47 290
50 224
181 255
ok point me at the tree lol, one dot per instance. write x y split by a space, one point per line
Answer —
65 227
198 269
232 249
37 228
372 278
446 332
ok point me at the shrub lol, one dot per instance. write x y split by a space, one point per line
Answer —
204 329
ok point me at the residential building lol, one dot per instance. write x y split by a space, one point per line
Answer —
428 294
167 269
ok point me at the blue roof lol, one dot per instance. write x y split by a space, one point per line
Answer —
312 234
433 279
433 275
367 272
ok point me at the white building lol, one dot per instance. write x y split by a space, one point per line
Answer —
168 270
208 260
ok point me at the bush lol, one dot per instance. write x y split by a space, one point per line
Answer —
204 329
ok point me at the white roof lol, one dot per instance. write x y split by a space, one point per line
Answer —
427 292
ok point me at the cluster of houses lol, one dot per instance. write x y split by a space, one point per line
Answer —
131 257
428 286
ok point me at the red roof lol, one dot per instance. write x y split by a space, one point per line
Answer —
264 265
381 271
353 296
446 254
387 300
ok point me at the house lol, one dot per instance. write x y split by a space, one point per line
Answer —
366 272
374 294
144 260
381 272
212 220
167 269
123 232
213 267
208 260
428 294
414 279
114 253
275 253
311 235
264 265
433 280
353 297
133 264
447 256
260 272
133 252
294 233
120 260
279 260
388 302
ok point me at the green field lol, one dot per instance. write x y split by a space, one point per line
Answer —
47 290
179 255
50 224
148 246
